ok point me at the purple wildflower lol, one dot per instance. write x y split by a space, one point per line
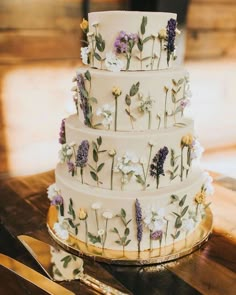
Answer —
156 235
83 99
82 154
62 134
71 167
57 200
138 212
170 41
156 168
124 42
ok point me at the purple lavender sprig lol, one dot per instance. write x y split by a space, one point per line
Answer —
71 168
62 134
82 157
156 168
84 104
157 235
138 211
170 40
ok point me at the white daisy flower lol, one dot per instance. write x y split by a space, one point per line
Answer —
85 54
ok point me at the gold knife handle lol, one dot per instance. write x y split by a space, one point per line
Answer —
99 286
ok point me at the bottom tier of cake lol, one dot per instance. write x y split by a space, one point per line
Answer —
128 221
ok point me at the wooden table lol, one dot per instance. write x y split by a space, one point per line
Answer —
209 270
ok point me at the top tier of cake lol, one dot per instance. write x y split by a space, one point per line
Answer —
130 41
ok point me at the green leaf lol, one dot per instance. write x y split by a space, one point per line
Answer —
127 243
94 145
102 151
174 198
66 260
99 140
140 44
93 99
143 25
182 201
177 234
147 39
76 231
87 75
97 56
94 176
123 240
178 222
71 223
76 271
128 100
84 92
115 230
180 81
126 232
134 89
94 239
122 213
118 242
95 155
184 211
176 168
100 167
174 82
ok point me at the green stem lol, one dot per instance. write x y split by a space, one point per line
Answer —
197 210
81 174
128 61
149 120
160 240
97 222
86 232
165 113
105 235
150 240
152 57
112 168
167 224
116 109
157 180
181 164
158 65
149 159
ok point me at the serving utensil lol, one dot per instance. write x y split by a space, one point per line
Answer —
32 276
60 265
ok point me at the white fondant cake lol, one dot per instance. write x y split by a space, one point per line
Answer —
129 176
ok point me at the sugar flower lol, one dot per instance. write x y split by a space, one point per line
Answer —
157 166
116 91
62 134
187 140
52 190
96 206
107 214
106 112
84 25
60 229
65 153
196 149
82 154
82 214
124 42
113 63
170 40
138 211
84 53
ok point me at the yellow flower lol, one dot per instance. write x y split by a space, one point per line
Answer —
162 34
187 140
82 214
84 25
112 152
200 197
116 91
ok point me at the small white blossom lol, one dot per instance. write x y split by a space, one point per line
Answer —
85 54
154 219
107 214
60 229
52 190
65 153
106 111
101 232
197 150
113 63
208 184
96 206
188 225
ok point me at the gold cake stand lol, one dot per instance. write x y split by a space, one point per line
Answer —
166 253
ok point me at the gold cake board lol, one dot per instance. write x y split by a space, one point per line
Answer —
166 253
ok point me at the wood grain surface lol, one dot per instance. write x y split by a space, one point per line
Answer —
210 270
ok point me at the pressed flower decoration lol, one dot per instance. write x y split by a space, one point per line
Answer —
83 215
62 134
157 166
106 112
61 229
113 63
186 142
170 39
116 92
82 157
139 224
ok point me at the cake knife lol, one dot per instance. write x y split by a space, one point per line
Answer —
32 276
60 265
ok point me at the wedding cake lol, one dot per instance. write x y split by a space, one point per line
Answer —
129 177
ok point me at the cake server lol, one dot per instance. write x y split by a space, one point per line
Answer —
32 276
60 265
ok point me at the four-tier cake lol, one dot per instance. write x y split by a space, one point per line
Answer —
129 179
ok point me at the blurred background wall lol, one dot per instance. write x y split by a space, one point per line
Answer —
40 51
